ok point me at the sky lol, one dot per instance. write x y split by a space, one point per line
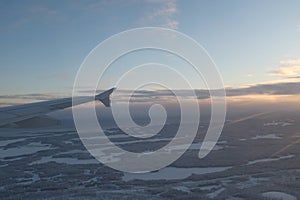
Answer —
254 43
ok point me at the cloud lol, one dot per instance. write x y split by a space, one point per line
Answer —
7 104
271 89
163 15
49 13
287 88
42 10
38 97
287 68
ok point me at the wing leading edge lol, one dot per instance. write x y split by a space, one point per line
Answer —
14 114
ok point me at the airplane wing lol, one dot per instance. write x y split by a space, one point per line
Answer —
14 114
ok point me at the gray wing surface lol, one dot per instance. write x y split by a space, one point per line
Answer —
13 114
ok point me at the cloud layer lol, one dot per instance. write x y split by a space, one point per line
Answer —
146 96
287 88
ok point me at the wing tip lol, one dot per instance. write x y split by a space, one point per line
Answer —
104 97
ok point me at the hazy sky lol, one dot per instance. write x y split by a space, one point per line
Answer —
43 43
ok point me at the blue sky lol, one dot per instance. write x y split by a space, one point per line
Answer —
43 43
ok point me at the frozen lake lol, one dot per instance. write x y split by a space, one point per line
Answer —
171 173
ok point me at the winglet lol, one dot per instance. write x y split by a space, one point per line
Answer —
104 97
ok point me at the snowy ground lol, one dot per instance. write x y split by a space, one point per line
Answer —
254 159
